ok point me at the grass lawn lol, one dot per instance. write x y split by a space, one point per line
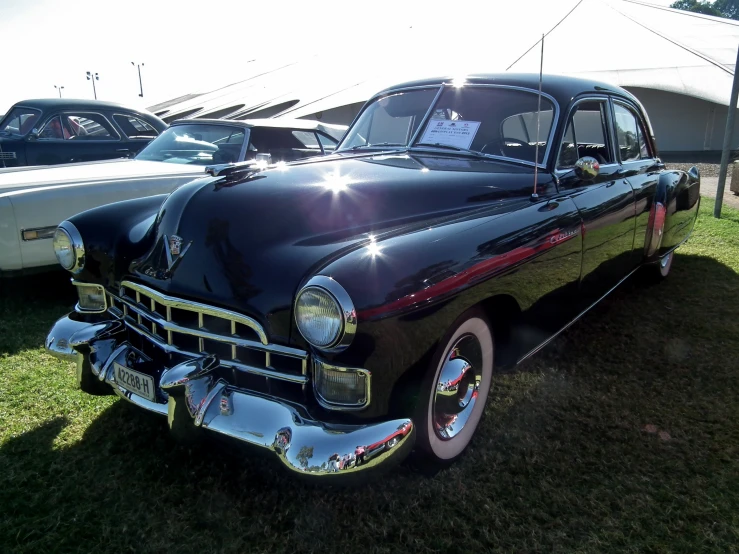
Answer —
621 437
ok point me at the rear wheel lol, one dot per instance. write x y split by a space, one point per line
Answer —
455 389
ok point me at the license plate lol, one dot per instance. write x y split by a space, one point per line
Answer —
135 382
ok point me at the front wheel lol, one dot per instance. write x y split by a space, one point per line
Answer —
455 388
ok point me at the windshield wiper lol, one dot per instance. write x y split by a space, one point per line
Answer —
455 148
375 145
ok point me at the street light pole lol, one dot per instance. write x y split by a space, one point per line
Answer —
59 89
93 77
141 86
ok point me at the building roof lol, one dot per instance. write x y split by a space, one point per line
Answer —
72 104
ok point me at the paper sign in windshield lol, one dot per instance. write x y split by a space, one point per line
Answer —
454 133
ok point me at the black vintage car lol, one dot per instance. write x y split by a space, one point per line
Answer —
58 130
363 301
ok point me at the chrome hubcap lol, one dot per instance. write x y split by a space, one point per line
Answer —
457 387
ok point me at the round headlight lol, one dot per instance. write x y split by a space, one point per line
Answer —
68 247
325 314
318 317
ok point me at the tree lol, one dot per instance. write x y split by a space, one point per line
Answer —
304 454
718 8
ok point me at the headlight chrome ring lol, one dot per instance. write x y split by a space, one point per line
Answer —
348 327
77 247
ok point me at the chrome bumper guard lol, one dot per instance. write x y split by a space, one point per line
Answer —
193 397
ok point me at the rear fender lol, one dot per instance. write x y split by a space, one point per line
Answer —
673 213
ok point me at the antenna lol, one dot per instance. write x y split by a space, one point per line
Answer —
535 196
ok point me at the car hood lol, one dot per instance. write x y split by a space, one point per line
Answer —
251 242
106 170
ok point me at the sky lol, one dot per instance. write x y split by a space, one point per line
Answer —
190 46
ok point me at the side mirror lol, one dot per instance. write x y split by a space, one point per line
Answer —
263 159
587 168
33 135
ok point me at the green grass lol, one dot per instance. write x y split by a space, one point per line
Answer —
621 437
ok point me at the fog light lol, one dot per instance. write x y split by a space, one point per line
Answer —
91 297
340 387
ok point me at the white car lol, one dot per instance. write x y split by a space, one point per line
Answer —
34 201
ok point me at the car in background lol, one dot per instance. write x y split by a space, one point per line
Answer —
59 130
34 201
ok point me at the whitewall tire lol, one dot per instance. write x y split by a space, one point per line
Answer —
455 388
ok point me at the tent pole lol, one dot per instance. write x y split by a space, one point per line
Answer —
728 136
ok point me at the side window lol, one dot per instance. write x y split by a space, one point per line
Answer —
284 145
88 126
328 143
632 144
308 140
53 130
586 135
135 128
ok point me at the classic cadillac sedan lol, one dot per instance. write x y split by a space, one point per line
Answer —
34 201
345 311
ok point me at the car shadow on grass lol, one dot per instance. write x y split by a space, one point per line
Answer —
30 305
621 436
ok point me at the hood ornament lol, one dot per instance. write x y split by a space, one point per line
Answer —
174 250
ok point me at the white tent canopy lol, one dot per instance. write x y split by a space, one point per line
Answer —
623 42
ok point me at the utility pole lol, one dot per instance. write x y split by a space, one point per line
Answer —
93 77
728 137
59 89
141 94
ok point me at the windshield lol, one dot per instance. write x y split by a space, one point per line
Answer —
480 120
19 121
390 120
196 144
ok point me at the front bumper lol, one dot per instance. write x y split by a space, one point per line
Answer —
194 398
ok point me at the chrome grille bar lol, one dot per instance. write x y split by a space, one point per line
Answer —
139 311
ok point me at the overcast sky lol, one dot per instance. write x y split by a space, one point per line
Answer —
190 46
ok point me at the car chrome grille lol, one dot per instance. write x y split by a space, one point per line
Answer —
185 328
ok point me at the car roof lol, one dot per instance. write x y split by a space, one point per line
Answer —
562 88
74 104
280 123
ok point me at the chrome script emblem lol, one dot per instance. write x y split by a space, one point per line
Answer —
174 250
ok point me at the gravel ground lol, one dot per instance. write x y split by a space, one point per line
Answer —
707 170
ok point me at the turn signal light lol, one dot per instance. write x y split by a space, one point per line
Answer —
91 297
341 387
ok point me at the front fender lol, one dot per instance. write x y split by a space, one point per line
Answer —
114 235
408 289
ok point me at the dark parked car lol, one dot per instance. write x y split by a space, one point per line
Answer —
362 301
58 130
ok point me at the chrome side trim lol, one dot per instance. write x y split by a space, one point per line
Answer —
335 406
171 349
38 233
586 310
171 302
